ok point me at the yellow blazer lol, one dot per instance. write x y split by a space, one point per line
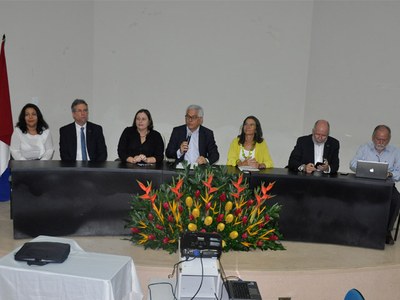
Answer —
262 155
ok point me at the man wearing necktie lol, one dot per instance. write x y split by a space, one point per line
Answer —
82 140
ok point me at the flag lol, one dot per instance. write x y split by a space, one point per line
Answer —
6 123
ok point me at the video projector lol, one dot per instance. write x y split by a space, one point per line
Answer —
201 244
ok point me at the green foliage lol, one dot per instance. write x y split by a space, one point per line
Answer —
207 199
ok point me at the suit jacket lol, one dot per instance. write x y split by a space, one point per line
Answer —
207 146
95 143
303 153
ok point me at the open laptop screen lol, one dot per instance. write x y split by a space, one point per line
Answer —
372 169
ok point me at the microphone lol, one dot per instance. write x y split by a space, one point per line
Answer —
188 137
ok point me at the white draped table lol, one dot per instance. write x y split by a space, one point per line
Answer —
83 276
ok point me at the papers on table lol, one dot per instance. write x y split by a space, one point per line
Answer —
180 166
248 169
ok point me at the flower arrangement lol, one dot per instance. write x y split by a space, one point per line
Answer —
206 199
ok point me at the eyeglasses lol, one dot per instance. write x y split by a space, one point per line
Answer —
191 118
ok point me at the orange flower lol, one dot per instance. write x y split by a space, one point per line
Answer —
176 189
265 189
208 185
147 190
259 199
152 198
238 187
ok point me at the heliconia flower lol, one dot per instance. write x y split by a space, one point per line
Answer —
229 218
142 225
238 187
189 201
259 199
246 244
152 198
234 234
265 235
208 185
205 202
265 189
220 217
208 220
146 189
144 239
196 212
222 197
135 230
192 227
176 189
220 227
228 206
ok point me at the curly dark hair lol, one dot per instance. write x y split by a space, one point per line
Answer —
41 123
150 127
258 135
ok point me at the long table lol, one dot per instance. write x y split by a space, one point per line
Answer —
85 198
339 209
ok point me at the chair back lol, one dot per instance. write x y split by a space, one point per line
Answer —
354 294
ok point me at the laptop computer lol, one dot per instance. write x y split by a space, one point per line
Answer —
372 169
242 290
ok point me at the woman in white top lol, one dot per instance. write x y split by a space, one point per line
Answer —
31 138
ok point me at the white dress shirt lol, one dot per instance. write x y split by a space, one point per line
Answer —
78 141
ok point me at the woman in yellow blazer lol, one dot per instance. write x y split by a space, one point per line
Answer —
249 147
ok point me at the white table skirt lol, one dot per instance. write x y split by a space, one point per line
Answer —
83 276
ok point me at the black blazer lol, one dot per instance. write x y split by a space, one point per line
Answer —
130 145
207 146
303 153
95 142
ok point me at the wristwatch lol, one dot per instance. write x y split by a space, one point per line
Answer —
302 168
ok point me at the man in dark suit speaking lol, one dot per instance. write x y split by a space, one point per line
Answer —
316 152
193 142
82 140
